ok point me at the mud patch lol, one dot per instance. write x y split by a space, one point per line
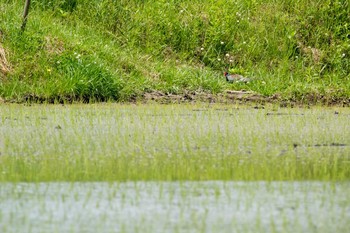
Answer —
333 144
228 96
243 97
283 114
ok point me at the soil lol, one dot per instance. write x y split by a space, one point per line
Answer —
242 97
227 97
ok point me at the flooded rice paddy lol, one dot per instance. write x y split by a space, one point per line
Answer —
172 142
174 168
212 206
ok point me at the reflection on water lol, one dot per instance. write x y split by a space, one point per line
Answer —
212 206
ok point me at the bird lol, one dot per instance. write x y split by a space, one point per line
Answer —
236 78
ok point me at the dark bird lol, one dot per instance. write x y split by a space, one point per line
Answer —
236 78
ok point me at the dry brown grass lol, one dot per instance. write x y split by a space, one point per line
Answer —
315 54
4 65
53 45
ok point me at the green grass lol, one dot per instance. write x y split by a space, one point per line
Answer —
118 50
154 142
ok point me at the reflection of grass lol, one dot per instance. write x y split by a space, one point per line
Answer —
211 206
113 142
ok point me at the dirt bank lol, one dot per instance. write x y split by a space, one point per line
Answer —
242 97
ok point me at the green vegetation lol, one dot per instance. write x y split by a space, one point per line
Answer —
98 50
139 50
153 142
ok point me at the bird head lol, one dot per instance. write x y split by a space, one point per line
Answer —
225 73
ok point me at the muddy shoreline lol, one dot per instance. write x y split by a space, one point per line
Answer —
244 97
227 97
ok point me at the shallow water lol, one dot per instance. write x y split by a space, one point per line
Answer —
212 206
111 130
159 133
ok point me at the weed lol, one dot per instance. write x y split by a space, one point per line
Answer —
292 49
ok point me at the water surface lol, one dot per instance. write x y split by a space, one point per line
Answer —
212 206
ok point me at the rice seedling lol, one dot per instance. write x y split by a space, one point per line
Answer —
156 142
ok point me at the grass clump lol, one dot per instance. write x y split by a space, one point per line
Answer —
85 78
297 49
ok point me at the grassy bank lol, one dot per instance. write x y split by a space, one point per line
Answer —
119 50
